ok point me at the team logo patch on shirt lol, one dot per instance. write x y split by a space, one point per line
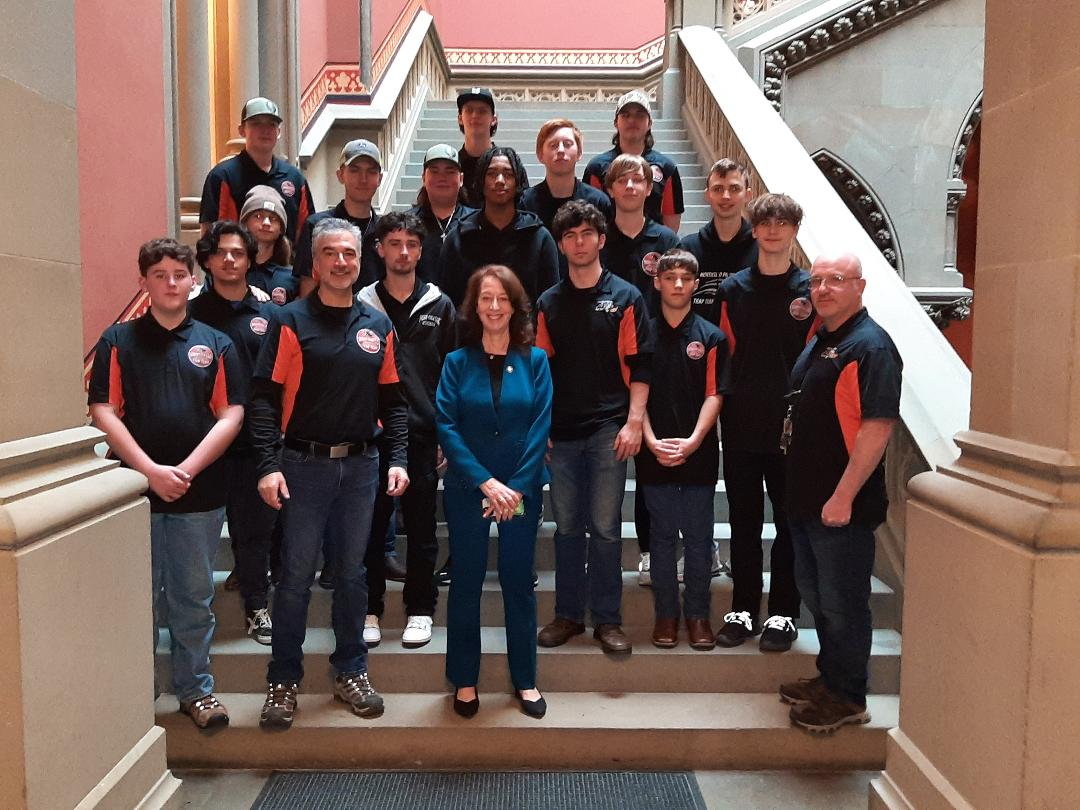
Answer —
829 353
657 174
695 350
607 306
200 355
800 308
287 188
258 325
279 296
650 263
368 341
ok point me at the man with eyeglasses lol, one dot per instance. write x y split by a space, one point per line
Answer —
843 403
766 313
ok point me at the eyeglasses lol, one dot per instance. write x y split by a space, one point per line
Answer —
834 281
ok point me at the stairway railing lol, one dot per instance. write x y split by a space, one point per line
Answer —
727 116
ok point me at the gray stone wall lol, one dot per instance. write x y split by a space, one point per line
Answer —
891 107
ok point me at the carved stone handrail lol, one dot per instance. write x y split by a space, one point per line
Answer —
726 116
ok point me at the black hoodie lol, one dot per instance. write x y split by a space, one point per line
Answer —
718 260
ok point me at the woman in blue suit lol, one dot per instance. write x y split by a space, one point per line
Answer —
493 412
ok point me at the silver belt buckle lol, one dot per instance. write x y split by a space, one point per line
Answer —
339 450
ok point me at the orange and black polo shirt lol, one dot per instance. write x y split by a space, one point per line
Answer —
841 377
768 321
276 281
636 259
228 183
328 375
167 387
598 341
690 363
666 196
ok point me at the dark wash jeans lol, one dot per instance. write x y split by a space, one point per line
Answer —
685 508
832 568
336 496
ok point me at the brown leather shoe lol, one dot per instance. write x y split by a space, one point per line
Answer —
665 633
700 634
559 632
612 638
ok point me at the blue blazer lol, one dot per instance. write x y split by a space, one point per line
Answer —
480 444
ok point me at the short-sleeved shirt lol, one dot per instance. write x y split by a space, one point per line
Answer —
245 323
768 320
167 385
328 375
666 197
372 266
228 183
540 201
842 378
275 280
598 340
690 363
636 259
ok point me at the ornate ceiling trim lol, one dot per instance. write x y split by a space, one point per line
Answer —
557 59
824 38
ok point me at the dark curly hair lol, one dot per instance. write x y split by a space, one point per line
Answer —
208 245
521 179
521 328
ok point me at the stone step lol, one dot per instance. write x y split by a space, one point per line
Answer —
525 151
637 604
239 664
409 183
611 731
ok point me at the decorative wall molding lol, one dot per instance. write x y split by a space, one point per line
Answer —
824 38
963 139
942 314
560 92
743 10
864 204
559 59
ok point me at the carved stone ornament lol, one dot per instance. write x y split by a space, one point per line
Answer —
942 314
963 140
824 37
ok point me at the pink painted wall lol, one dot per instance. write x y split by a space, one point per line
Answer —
123 193
312 40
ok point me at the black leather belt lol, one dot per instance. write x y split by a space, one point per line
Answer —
327 450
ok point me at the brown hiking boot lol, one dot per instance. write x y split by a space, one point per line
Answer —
355 689
804 690
827 712
279 706
559 632
206 712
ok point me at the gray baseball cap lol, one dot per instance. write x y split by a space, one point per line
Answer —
259 106
442 151
358 149
639 97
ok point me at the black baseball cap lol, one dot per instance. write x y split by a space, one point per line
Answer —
476 94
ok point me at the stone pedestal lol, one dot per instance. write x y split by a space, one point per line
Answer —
988 709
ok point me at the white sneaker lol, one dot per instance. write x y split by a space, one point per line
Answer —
644 576
417 631
718 566
679 568
372 633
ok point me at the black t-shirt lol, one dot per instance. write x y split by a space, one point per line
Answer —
635 259
372 267
166 386
841 377
598 340
539 200
690 363
768 320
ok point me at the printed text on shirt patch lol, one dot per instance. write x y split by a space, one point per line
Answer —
695 350
200 356
368 341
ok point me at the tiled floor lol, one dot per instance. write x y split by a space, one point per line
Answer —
723 790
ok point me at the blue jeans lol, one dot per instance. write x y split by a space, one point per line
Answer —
469 548
335 496
587 487
182 550
687 509
832 570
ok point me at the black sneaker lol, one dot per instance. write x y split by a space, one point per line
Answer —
738 627
259 626
825 713
442 576
777 635
327 579
279 706
355 689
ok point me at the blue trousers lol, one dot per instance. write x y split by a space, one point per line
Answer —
832 570
686 509
335 496
469 548
182 550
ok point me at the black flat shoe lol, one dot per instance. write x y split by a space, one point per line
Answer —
534 708
466 708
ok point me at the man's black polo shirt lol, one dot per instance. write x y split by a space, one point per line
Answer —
636 259
372 266
228 183
427 269
245 323
690 363
276 281
327 375
598 341
768 320
842 378
539 200
666 196
167 387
